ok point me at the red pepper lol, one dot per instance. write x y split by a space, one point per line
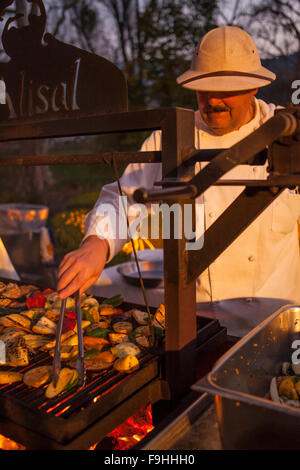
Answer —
30 302
71 315
68 324
119 311
47 291
38 300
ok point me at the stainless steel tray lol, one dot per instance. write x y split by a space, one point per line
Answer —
152 273
240 381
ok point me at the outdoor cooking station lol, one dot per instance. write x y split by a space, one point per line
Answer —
78 419
87 95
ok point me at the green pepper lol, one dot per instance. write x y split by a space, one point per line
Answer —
114 301
98 333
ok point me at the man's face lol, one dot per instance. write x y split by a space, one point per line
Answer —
226 111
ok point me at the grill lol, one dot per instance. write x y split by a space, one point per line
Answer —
78 418
70 413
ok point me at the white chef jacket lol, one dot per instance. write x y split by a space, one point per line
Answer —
264 260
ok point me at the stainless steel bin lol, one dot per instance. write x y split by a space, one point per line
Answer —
240 381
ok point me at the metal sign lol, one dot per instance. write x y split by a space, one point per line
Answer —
48 79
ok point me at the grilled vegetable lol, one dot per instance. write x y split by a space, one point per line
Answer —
114 301
142 341
71 341
38 376
67 353
33 314
70 303
123 327
139 316
38 300
126 364
98 332
287 389
67 377
91 342
141 331
160 317
107 310
106 356
10 334
118 337
35 341
84 324
16 320
283 390
64 337
94 364
21 320
125 349
52 314
74 380
9 377
68 324
17 353
90 302
98 360
44 326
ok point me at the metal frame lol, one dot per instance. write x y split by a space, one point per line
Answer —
177 126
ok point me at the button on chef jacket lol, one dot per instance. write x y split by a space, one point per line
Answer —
264 260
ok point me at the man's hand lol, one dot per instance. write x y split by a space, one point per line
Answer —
81 268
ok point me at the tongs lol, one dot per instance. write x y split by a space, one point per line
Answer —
80 367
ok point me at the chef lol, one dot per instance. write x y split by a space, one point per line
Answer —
263 262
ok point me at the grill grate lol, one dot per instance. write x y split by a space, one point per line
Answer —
97 385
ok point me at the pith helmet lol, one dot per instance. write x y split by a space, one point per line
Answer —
226 60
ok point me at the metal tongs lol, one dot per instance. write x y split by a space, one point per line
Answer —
80 367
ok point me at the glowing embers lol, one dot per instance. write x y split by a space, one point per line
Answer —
8 444
129 433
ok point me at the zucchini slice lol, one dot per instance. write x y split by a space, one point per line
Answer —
65 378
38 376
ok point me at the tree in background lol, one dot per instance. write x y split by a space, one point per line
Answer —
156 39
275 27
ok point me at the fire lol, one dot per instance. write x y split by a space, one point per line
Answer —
133 430
8 444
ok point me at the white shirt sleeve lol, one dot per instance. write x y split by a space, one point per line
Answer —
102 217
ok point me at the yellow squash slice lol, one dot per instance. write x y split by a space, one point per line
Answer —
9 377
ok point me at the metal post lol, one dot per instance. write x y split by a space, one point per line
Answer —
180 297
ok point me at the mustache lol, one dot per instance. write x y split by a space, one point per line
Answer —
215 109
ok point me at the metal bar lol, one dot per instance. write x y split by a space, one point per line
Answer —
57 358
80 366
230 224
170 194
288 180
206 155
82 159
135 121
180 296
281 124
244 150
